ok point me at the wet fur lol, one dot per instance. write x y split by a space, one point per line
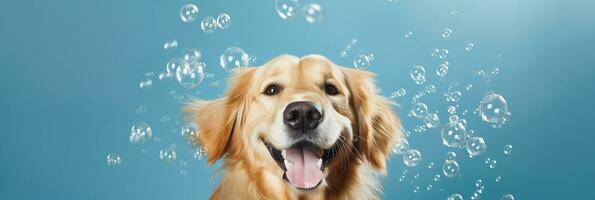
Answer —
250 173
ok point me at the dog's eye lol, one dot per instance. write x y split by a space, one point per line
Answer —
331 90
272 90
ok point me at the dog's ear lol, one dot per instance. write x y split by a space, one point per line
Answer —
217 119
377 125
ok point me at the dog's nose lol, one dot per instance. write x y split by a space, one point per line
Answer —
302 116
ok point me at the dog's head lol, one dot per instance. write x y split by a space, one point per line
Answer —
304 119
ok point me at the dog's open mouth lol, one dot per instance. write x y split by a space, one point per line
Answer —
303 163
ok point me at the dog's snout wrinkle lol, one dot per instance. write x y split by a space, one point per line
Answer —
303 116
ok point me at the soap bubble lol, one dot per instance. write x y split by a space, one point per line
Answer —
313 13
440 53
398 93
436 177
208 24
455 197
170 45
432 120
491 163
508 149
450 155
191 55
188 131
442 70
140 132
141 109
408 34
450 168
418 74
199 152
475 146
469 46
454 134
493 109
287 9
452 109
233 57
507 197
173 65
478 183
188 12
113 160
453 96
190 75
412 157
446 33
362 61
223 21
453 118
498 178
401 147
419 110
145 84
168 155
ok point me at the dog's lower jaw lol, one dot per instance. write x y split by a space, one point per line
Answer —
359 181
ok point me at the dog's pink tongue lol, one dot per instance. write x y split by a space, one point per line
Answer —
303 172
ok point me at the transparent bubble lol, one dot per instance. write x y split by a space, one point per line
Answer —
208 24
183 172
408 34
313 13
452 109
478 183
453 96
233 57
168 154
468 87
140 132
190 75
199 152
429 187
188 131
170 45
188 12
494 110
287 9
164 76
498 178
412 157
418 74
454 134
191 55
443 53
343 54
145 84
450 155
450 168
223 21
416 189
173 65
419 110
141 109
252 60
447 33
507 197
432 120
401 147
437 178
508 149
454 12
362 61
491 163
453 118
442 70
431 165
455 197
475 146
113 160
398 93
469 46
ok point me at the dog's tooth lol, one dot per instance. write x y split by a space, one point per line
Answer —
288 164
284 154
319 162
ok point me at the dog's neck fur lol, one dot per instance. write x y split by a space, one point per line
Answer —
244 181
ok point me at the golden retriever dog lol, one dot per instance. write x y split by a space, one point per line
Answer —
298 128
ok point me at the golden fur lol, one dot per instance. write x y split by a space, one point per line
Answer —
234 127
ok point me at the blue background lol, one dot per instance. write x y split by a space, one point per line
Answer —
70 72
